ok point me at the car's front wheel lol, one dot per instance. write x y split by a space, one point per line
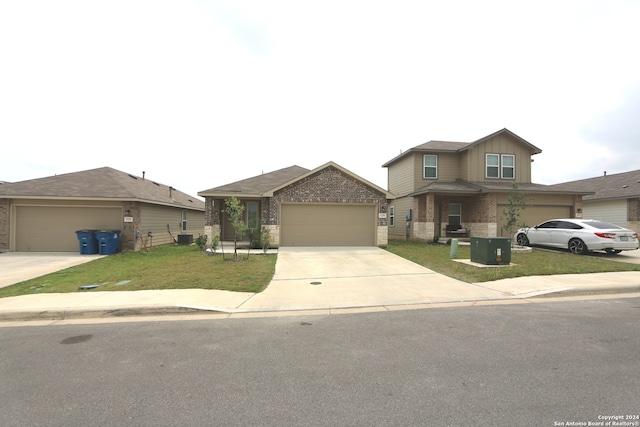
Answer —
522 239
577 246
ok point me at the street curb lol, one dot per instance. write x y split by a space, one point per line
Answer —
601 290
67 314
76 313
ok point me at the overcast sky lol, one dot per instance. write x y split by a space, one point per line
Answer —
203 93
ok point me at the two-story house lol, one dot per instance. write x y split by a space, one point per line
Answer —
461 189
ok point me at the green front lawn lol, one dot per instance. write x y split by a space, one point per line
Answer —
184 267
163 267
539 262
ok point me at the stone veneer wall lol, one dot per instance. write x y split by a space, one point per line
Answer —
128 239
212 215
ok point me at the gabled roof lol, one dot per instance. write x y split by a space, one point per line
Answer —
457 147
327 165
256 185
624 185
99 184
467 187
533 148
267 184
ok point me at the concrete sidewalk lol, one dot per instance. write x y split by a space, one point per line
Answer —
320 280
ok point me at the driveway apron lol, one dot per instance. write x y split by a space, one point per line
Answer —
17 267
344 277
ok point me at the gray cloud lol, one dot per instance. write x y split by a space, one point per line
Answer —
617 130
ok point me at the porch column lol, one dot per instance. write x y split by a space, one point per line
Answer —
211 217
423 227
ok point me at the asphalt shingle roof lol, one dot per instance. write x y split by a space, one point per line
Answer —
451 146
624 185
259 184
461 186
100 183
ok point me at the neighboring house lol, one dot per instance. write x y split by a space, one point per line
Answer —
615 198
42 215
442 187
326 206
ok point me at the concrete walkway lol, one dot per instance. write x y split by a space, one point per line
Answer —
324 280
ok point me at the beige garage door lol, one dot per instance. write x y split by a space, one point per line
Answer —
327 225
534 215
53 228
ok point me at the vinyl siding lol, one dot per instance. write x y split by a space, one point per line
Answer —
402 206
155 219
401 176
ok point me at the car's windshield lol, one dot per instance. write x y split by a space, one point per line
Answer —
602 225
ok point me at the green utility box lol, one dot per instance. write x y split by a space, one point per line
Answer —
491 250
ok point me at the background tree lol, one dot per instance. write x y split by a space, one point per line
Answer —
235 210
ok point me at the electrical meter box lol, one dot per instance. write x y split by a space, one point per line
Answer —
491 250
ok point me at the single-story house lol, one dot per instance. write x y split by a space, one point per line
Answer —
42 215
615 198
326 206
461 189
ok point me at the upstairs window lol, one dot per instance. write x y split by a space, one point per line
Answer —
508 166
430 170
500 166
493 166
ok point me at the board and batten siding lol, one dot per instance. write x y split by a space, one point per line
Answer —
612 211
474 159
154 218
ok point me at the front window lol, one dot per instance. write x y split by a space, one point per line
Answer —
455 210
392 216
253 215
430 166
508 166
184 220
493 166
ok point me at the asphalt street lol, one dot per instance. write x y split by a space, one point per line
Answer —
502 365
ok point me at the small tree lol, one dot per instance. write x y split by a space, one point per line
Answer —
235 210
265 237
517 202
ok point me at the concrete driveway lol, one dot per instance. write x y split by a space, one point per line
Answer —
331 277
16 267
624 256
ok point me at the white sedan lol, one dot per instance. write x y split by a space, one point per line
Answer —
580 236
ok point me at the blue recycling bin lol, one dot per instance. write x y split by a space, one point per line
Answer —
108 241
88 242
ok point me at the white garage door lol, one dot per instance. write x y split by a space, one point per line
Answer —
53 228
612 211
328 225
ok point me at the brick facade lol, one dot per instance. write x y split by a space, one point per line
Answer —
332 186
328 185
4 224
